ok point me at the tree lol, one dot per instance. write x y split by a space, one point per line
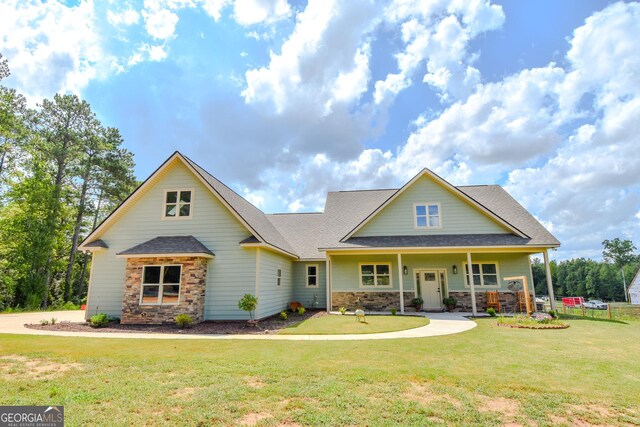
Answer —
620 253
12 116
248 303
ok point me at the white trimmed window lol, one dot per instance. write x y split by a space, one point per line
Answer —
160 284
375 275
279 277
485 274
177 204
312 276
427 215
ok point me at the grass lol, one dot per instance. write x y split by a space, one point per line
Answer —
338 324
489 376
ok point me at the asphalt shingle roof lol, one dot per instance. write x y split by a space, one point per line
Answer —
253 216
169 245
302 230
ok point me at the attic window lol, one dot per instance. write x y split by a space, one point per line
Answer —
427 215
177 204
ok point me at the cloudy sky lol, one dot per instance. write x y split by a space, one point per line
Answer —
284 100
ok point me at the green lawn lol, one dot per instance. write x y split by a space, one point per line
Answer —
338 324
588 374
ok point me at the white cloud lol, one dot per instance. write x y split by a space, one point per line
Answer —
437 34
51 47
250 12
160 24
326 39
127 17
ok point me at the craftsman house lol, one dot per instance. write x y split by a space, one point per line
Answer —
183 242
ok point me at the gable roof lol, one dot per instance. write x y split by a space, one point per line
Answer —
250 216
168 245
308 235
262 228
345 210
430 174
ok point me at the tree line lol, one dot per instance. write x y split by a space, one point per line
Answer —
583 277
61 172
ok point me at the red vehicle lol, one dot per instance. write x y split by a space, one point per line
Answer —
572 301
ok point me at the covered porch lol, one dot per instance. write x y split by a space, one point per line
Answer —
382 280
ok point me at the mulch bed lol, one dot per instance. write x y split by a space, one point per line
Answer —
541 326
269 325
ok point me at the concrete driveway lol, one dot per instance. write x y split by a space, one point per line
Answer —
440 324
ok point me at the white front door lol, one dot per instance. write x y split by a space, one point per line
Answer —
430 289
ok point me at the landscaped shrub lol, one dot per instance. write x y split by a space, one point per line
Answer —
183 321
99 320
283 315
301 311
248 303
553 314
417 303
491 312
538 321
450 302
44 322
394 311
343 310
53 320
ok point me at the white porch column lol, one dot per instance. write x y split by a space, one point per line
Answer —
547 267
327 280
472 285
400 284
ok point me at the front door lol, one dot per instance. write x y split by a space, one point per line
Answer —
430 289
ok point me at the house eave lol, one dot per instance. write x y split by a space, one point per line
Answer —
167 255
269 247
532 249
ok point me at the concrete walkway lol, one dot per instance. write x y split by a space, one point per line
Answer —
440 324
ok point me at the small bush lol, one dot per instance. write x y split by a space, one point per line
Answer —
553 314
248 303
183 321
99 320
491 312
394 311
283 315
417 302
53 320
343 310
450 301
44 322
301 311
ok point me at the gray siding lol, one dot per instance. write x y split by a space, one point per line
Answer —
458 217
272 298
304 295
231 273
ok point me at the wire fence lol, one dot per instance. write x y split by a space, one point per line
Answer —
613 312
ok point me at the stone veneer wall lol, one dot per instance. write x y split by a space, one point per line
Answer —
508 301
192 288
374 301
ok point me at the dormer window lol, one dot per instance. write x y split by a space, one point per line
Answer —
427 215
177 204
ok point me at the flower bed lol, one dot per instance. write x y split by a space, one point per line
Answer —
536 321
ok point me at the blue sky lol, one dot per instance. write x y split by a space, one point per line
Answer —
286 100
